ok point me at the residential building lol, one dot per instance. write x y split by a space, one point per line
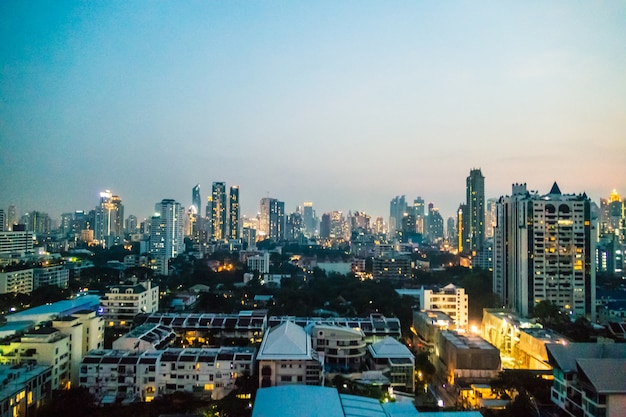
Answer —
343 349
16 280
233 214
259 263
14 245
218 211
121 303
131 375
286 356
589 378
43 346
109 220
396 360
26 387
167 233
272 219
392 267
145 337
50 274
544 250
475 202
450 300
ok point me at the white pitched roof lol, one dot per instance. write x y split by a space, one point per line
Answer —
286 341
389 348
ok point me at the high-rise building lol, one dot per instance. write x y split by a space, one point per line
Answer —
418 212
490 217
308 218
131 224
167 232
11 217
233 213
3 220
109 220
435 224
218 211
475 201
544 250
196 200
397 208
451 231
271 219
613 216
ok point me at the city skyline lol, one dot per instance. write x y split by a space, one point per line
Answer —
346 105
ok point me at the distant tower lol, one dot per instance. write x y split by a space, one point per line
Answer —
233 213
11 217
475 202
3 226
109 220
218 211
272 219
397 208
451 231
167 232
308 219
196 200
544 250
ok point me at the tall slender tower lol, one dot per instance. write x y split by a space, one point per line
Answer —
167 230
196 200
218 211
544 250
233 213
109 220
475 203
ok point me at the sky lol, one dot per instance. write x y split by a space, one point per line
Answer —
343 103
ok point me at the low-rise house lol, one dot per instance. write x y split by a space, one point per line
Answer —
395 360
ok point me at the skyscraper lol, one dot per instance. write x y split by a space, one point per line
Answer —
308 219
397 208
233 213
196 200
272 219
11 217
167 232
218 211
3 226
475 202
544 250
109 220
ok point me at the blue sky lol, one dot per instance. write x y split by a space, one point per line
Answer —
345 104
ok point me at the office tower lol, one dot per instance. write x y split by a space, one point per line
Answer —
272 219
435 224
397 208
451 231
3 220
418 212
308 218
109 220
218 211
196 200
66 224
37 222
233 213
11 217
490 217
475 202
544 250
166 232
294 228
361 222
131 224
379 226
325 226
462 228
612 216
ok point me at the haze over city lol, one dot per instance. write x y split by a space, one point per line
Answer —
344 104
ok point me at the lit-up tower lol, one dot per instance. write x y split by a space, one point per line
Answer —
397 208
167 232
218 211
11 217
271 219
109 220
544 250
233 213
308 218
196 200
475 203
